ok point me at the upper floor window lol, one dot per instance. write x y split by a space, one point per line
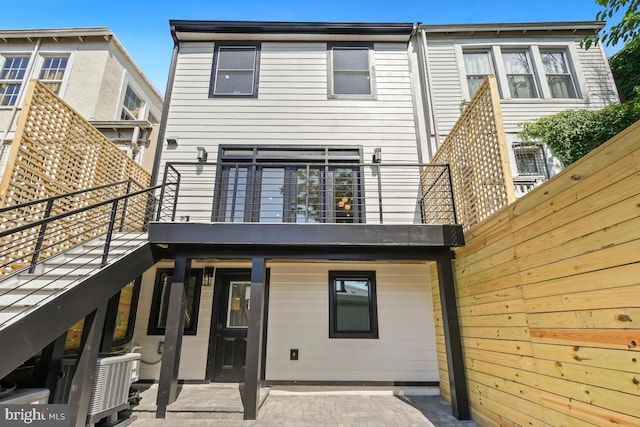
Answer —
351 71
132 107
558 74
522 72
52 72
517 65
478 65
11 76
235 70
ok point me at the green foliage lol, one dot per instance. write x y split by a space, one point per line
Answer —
573 133
626 31
625 66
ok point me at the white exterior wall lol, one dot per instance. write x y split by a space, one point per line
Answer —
292 106
299 318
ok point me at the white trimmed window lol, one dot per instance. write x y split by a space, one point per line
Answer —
351 70
12 74
52 72
517 65
559 78
132 106
477 64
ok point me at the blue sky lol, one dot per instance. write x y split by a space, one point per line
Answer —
143 26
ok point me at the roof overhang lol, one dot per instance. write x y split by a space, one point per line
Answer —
581 28
187 30
79 33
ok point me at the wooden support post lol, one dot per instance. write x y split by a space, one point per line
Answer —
453 341
106 344
48 367
85 373
254 340
168 383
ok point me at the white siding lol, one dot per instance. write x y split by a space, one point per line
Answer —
292 106
299 319
592 72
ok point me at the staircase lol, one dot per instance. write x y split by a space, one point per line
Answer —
67 256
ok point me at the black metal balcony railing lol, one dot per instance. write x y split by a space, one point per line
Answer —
307 193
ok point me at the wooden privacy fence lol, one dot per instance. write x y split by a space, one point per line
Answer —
548 293
476 152
56 151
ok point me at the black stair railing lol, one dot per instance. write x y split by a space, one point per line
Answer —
35 231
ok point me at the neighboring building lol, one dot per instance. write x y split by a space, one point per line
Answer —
541 69
91 71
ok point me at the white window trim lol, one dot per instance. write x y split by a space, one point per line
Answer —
127 80
65 78
25 79
372 74
540 78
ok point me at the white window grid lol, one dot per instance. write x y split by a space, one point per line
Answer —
132 106
52 72
12 75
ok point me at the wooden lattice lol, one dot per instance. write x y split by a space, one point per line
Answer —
56 151
476 151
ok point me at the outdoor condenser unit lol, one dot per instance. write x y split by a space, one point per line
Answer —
110 393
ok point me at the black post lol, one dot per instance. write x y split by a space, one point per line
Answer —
85 373
254 340
453 341
106 343
107 242
43 230
48 367
124 208
168 382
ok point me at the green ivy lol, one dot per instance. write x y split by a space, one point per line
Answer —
625 66
573 133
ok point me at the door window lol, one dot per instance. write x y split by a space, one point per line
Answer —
239 304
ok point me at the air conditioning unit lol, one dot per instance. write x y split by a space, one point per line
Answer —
110 393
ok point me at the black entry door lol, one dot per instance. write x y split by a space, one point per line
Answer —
232 303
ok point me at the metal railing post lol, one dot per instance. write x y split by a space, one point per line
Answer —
126 204
40 241
380 193
107 243
453 198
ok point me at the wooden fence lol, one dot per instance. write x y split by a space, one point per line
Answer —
548 293
476 151
56 151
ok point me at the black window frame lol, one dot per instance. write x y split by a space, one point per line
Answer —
214 67
372 333
152 328
331 70
256 158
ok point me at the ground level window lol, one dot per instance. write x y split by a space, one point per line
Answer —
160 302
353 311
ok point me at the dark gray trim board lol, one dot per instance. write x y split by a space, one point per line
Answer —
354 383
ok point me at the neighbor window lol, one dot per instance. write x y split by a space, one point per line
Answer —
530 160
559 78
160 302
353 309
517 65
477 65
11 76
132 106
235 70
350 69
52 72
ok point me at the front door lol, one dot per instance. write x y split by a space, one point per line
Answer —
232 301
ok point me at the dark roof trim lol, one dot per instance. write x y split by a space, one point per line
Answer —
274 27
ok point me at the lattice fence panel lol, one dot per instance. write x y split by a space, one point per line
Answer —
476 151
56 151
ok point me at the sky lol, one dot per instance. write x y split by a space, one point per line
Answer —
143 26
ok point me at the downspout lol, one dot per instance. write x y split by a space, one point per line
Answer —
165 107
426 76
14 110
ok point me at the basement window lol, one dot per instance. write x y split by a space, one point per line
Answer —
160 302
353 311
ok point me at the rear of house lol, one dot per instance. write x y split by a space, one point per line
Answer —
296 143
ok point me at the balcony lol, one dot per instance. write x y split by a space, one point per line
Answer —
305 204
